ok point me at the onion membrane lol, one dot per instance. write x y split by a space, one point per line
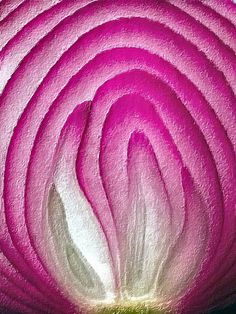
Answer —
118 138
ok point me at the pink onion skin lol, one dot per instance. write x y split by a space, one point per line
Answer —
139 98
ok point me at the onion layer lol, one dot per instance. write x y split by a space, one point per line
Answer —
118 138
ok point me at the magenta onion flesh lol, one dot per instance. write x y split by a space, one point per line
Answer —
117 141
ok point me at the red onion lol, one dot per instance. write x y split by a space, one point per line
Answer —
118 172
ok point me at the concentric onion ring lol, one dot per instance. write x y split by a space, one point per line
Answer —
118 137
